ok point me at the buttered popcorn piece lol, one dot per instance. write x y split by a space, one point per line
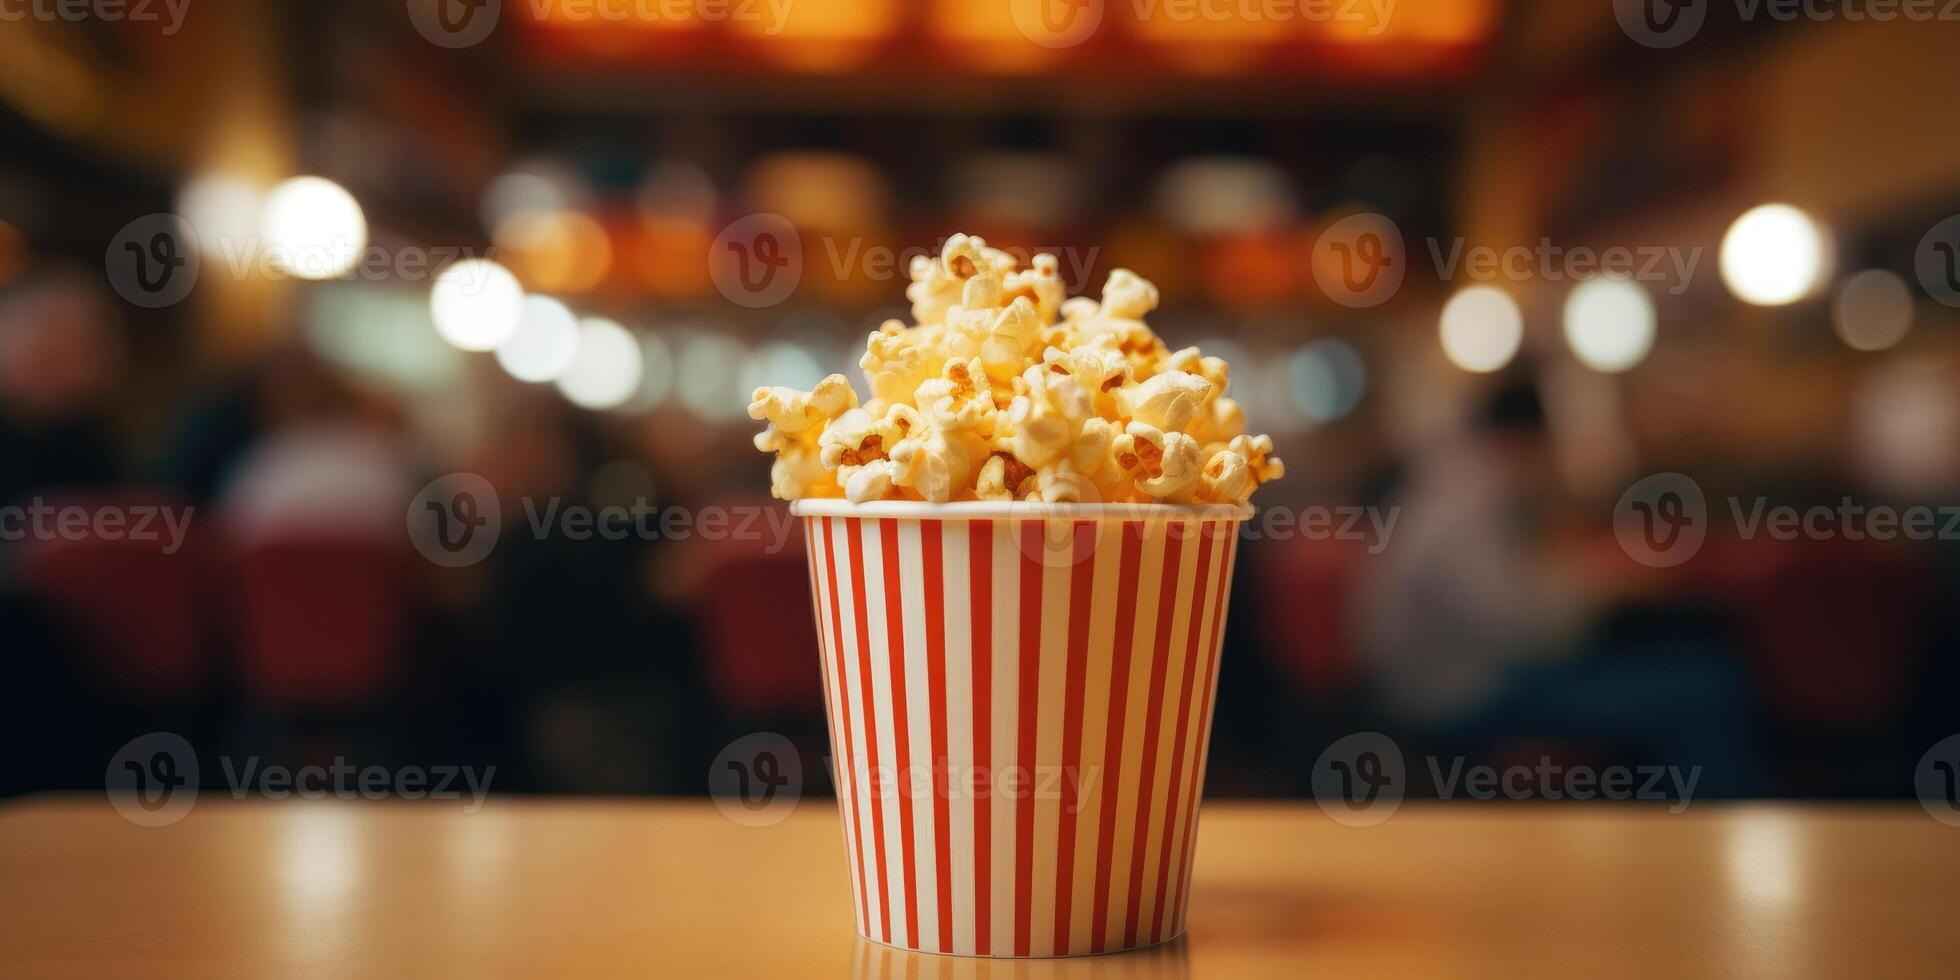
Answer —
1006 389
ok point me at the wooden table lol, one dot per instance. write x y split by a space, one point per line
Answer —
580 889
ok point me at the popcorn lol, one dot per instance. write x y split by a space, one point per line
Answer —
1167 401
1006 389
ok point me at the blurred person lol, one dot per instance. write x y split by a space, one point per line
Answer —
60 359
1474 634
319 460
61 356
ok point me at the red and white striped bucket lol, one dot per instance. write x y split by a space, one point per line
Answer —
1020 703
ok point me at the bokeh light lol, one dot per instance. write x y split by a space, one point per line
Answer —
1482 329
1774 255
544 343
1872 310
223 210
1326 379
708 372
781 362
656 372
313 228
476 304
605 370
1609 323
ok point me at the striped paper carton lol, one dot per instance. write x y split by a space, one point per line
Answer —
1020 705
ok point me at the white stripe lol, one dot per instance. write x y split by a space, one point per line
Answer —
1006 697
1153 852
881 698
1149 583
918 784
854 686
1045 780
1093 770
833 704
1206 593
1204 735
957 603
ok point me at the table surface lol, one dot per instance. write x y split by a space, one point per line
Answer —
594 888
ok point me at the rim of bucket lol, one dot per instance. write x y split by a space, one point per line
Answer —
1022 510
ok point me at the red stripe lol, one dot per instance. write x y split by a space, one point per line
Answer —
1177 735
980 579
930 557
856 541
1032 545
901 730
1081 595
1131 548
1153 723
845 723
1204 721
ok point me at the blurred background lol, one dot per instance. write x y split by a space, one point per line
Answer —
225 228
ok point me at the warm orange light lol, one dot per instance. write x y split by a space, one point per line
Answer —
1215 38
1449 21
819 35
1425 21
1251 272
833 192
985 35
555 251
671 257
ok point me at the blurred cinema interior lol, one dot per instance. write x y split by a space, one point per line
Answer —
1782 177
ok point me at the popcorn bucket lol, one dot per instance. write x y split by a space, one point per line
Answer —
1020 702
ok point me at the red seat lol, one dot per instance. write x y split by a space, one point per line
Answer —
322 621
761 640
141 617
1832 628
1304 590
